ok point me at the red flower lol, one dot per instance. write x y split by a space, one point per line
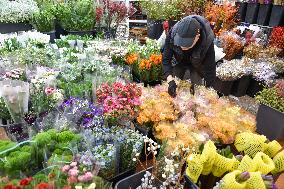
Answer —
43 185
25 181
11 186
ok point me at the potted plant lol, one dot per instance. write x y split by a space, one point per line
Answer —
15 15
77 17
264 12
43 20
110 14
277 14
252 11
271 111
154 11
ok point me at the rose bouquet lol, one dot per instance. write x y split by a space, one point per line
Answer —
120 102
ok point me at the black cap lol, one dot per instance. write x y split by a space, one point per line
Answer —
187 29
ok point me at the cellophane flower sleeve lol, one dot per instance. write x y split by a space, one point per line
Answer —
16 96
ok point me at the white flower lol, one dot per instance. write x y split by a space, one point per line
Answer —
78 187
92 186
134 159
164 176
137 154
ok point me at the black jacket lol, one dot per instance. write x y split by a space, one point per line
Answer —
201 57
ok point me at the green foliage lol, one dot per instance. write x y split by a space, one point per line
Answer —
75 89
43 20
270 97
4 112
67 136
42 139
5 145
10 45
77 15
17 161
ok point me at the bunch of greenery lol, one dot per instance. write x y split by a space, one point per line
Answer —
28 156
43 19
77 15
4 112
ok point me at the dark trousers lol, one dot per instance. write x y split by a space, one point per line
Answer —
181 72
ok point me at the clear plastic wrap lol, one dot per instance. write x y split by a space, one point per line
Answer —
16 96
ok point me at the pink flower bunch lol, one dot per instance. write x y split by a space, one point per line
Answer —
49 91
74 175
280 87
119 99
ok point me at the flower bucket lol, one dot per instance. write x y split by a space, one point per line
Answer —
51 35
264 14
154 28
14 27
277 16
270 122
223 87
242 9
122 176
251 14
133 181
81 33
254 87
240 86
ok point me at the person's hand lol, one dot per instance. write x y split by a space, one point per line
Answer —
172 88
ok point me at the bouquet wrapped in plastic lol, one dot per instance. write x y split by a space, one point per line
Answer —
16 96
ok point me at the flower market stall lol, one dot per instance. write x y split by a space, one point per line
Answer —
83 106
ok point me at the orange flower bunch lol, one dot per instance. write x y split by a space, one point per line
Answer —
177 134
160 108
227 121
223 17
131 59
149 63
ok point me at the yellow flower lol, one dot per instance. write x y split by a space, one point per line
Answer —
92 186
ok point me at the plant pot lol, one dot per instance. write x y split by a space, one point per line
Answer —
223 87
81 33
242 9
14 27
134 181
110 34
270 122
254 87
251 14
154 28
52 36
122 176
277 16
264 14
240 86
188 184
59 30
16 132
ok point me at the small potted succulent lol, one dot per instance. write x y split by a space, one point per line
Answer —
277 14
252 11
15 15
77 17
43 20
264 12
